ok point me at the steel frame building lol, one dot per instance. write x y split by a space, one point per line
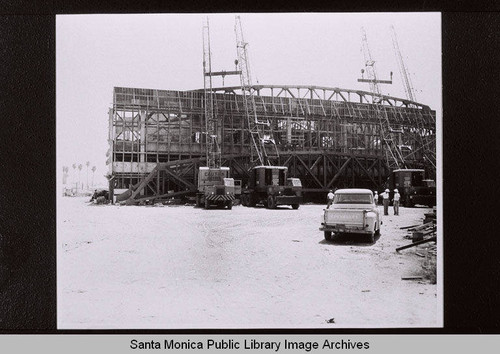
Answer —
327 137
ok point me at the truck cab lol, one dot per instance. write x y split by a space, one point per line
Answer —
269 186
413 187
215 188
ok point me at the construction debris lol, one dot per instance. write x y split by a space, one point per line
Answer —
416 243
408 227
430 217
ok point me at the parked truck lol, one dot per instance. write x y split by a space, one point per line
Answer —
352 211
269 186
413 187
215 188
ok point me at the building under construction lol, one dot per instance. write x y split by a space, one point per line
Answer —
327 137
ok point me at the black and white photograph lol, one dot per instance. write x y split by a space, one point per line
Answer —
249 171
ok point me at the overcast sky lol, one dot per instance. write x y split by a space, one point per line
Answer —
94 53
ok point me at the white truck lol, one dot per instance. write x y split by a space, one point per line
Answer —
215 188
352 211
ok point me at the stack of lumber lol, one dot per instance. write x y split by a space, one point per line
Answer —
420 234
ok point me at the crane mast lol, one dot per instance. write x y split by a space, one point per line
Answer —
394 157
213 154
263 146
215 186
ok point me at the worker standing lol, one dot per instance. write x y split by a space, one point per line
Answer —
395 201
330 199
385 197
375 198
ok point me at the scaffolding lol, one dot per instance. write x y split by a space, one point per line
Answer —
327 137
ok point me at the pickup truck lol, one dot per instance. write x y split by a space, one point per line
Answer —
352 211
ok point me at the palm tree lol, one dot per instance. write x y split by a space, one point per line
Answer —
65 174
87 164
74 171
93 172
79 170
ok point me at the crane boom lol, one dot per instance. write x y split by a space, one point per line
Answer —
426 142
263 145
394 157
408 87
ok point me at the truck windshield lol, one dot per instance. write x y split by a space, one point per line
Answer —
294 182
353 199
430 183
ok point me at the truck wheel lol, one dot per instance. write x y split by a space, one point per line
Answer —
328 235
408 203
295 206
271 202
251 201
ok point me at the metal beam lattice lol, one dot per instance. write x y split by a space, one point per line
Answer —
213 152
264 148
394 157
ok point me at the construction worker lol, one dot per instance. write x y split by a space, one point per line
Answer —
385 199
330 199
375 198
395 201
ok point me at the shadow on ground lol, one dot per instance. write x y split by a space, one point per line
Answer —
350 240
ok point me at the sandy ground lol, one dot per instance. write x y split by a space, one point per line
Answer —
137 267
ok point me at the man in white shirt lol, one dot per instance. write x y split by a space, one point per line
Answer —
330 199
385 199
395 201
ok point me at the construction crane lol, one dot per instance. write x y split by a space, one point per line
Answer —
407 84
394 157
264 150
212 147
426 142
215 187
269 184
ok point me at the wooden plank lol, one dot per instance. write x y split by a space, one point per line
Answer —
416 243
310 172
408 227
337 175
365 171
180 179
423 226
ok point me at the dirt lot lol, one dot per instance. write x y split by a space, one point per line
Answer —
182 267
